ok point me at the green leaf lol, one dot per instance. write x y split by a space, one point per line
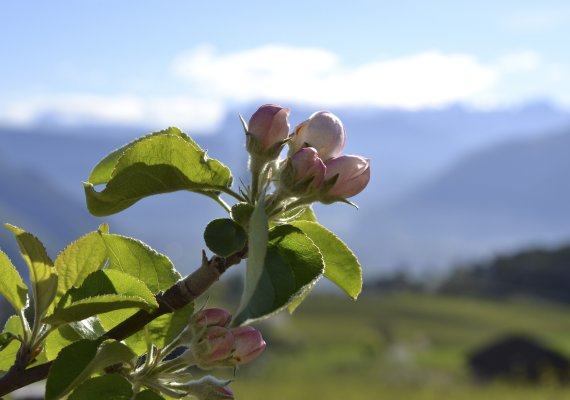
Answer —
292 265
103 171
154 165
13 327
257 250
224 237
80 258
42 272
102 291
341 265
107 387
78 361
63 336
137 259
12 287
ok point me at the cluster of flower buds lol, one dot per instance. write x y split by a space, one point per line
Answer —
214 344
315 167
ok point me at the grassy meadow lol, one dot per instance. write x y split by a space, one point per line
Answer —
401 346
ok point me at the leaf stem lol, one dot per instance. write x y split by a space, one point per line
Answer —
234 194
224 205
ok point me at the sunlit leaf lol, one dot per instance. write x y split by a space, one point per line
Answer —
42 272
80 258
12 287
153 165
139 260
341 265
102 291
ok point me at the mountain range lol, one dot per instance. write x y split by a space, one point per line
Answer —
447 185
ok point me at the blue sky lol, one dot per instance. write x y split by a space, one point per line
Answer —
186 62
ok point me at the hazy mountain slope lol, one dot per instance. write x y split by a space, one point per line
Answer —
505 197
407 149
30 200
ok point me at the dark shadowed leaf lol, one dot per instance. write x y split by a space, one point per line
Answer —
224 237
79 360
106 387
292 265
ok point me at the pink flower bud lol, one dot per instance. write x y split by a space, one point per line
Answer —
269 126
216 344
323 131
304 172
307 165
353 175
211 317
249 344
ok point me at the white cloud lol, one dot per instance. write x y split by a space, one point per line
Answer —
308 75
77 108
314 76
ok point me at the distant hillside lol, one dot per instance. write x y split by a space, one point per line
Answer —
505 197
30 200
541 273
407 148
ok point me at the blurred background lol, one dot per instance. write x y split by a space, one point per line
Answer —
463 231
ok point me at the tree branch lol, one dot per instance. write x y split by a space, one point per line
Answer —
177 296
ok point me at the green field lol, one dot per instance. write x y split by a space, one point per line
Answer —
404 346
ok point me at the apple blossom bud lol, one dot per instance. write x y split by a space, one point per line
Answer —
268 128
211 317
249 344
304 172
213 346
323 131
208 388
353 176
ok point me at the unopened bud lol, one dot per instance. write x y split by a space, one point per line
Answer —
249 344
268 129
323 131
304 172
211 317
352 175
213 346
